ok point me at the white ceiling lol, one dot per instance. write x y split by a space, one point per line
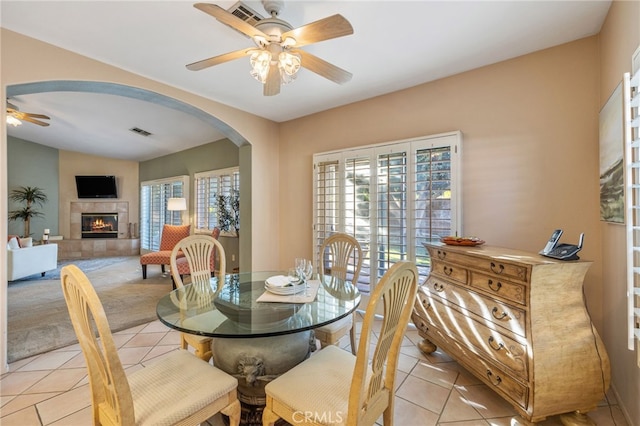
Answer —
395 45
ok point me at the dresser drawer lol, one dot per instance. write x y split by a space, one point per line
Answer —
501 314
507 270
500 288
488 343
449 271
504 384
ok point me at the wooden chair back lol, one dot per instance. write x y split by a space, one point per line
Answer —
372 385
198 250
339 253
112 402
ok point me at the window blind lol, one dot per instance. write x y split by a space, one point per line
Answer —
632 203
154 196
215 190
391 197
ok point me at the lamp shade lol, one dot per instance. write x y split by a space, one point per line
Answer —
177 204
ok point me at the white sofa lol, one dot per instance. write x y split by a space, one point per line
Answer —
22 262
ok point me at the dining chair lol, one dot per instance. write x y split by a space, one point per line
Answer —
198 252
182 266
340 255
171 234
176 389
334 386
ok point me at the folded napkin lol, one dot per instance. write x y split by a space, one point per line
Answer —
305 296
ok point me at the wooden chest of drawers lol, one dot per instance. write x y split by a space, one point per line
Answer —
518 322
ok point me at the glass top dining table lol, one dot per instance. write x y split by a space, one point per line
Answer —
235 312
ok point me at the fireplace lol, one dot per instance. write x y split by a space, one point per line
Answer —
99 225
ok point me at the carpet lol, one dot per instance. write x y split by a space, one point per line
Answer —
87 265
38 320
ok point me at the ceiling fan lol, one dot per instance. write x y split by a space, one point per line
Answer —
15 116
277 57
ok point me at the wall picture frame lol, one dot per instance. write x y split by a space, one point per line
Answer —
611 137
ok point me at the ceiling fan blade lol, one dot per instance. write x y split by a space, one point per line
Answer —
272 85
323 29
206 63
323 68
29 114
227 18
34 121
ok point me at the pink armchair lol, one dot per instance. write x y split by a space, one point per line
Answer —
171 234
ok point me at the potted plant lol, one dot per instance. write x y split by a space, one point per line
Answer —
229 212
31 196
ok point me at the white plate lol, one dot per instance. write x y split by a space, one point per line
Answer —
285 291
279 281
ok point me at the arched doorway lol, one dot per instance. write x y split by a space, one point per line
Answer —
151 97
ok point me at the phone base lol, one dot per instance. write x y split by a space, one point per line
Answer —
573 257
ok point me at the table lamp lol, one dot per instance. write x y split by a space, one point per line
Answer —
177 204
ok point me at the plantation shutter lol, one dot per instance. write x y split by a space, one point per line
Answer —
154 196
392 211
632 175
357 210
326 190
433 216
392 197
209 187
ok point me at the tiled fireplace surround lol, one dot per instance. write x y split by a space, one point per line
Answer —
78 248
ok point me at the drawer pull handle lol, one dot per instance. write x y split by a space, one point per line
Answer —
499 270
448 271
442 254
497 380
426 304
494 312
495 287
438 287
495 347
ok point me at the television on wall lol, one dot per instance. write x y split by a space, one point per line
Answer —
96 187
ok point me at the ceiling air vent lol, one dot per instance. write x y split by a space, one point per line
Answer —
140 131
244 12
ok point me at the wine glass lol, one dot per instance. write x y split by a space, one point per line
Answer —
300 263
293 276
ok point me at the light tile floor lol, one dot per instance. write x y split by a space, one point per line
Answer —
51 389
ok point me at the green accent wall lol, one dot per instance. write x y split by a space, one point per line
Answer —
212 156
217 155
31 164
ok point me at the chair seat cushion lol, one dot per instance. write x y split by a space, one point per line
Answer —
156 258
168 390
322 382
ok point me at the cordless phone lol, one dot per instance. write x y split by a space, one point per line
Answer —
555 237
563 251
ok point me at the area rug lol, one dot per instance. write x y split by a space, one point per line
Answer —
38 320
87 265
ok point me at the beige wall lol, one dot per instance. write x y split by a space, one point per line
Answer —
75 163
530 150
619 38
530 161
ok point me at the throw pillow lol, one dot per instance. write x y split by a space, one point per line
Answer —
26 242
17 237
13 244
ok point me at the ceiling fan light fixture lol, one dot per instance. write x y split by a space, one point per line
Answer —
260 62
289 63
13 121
